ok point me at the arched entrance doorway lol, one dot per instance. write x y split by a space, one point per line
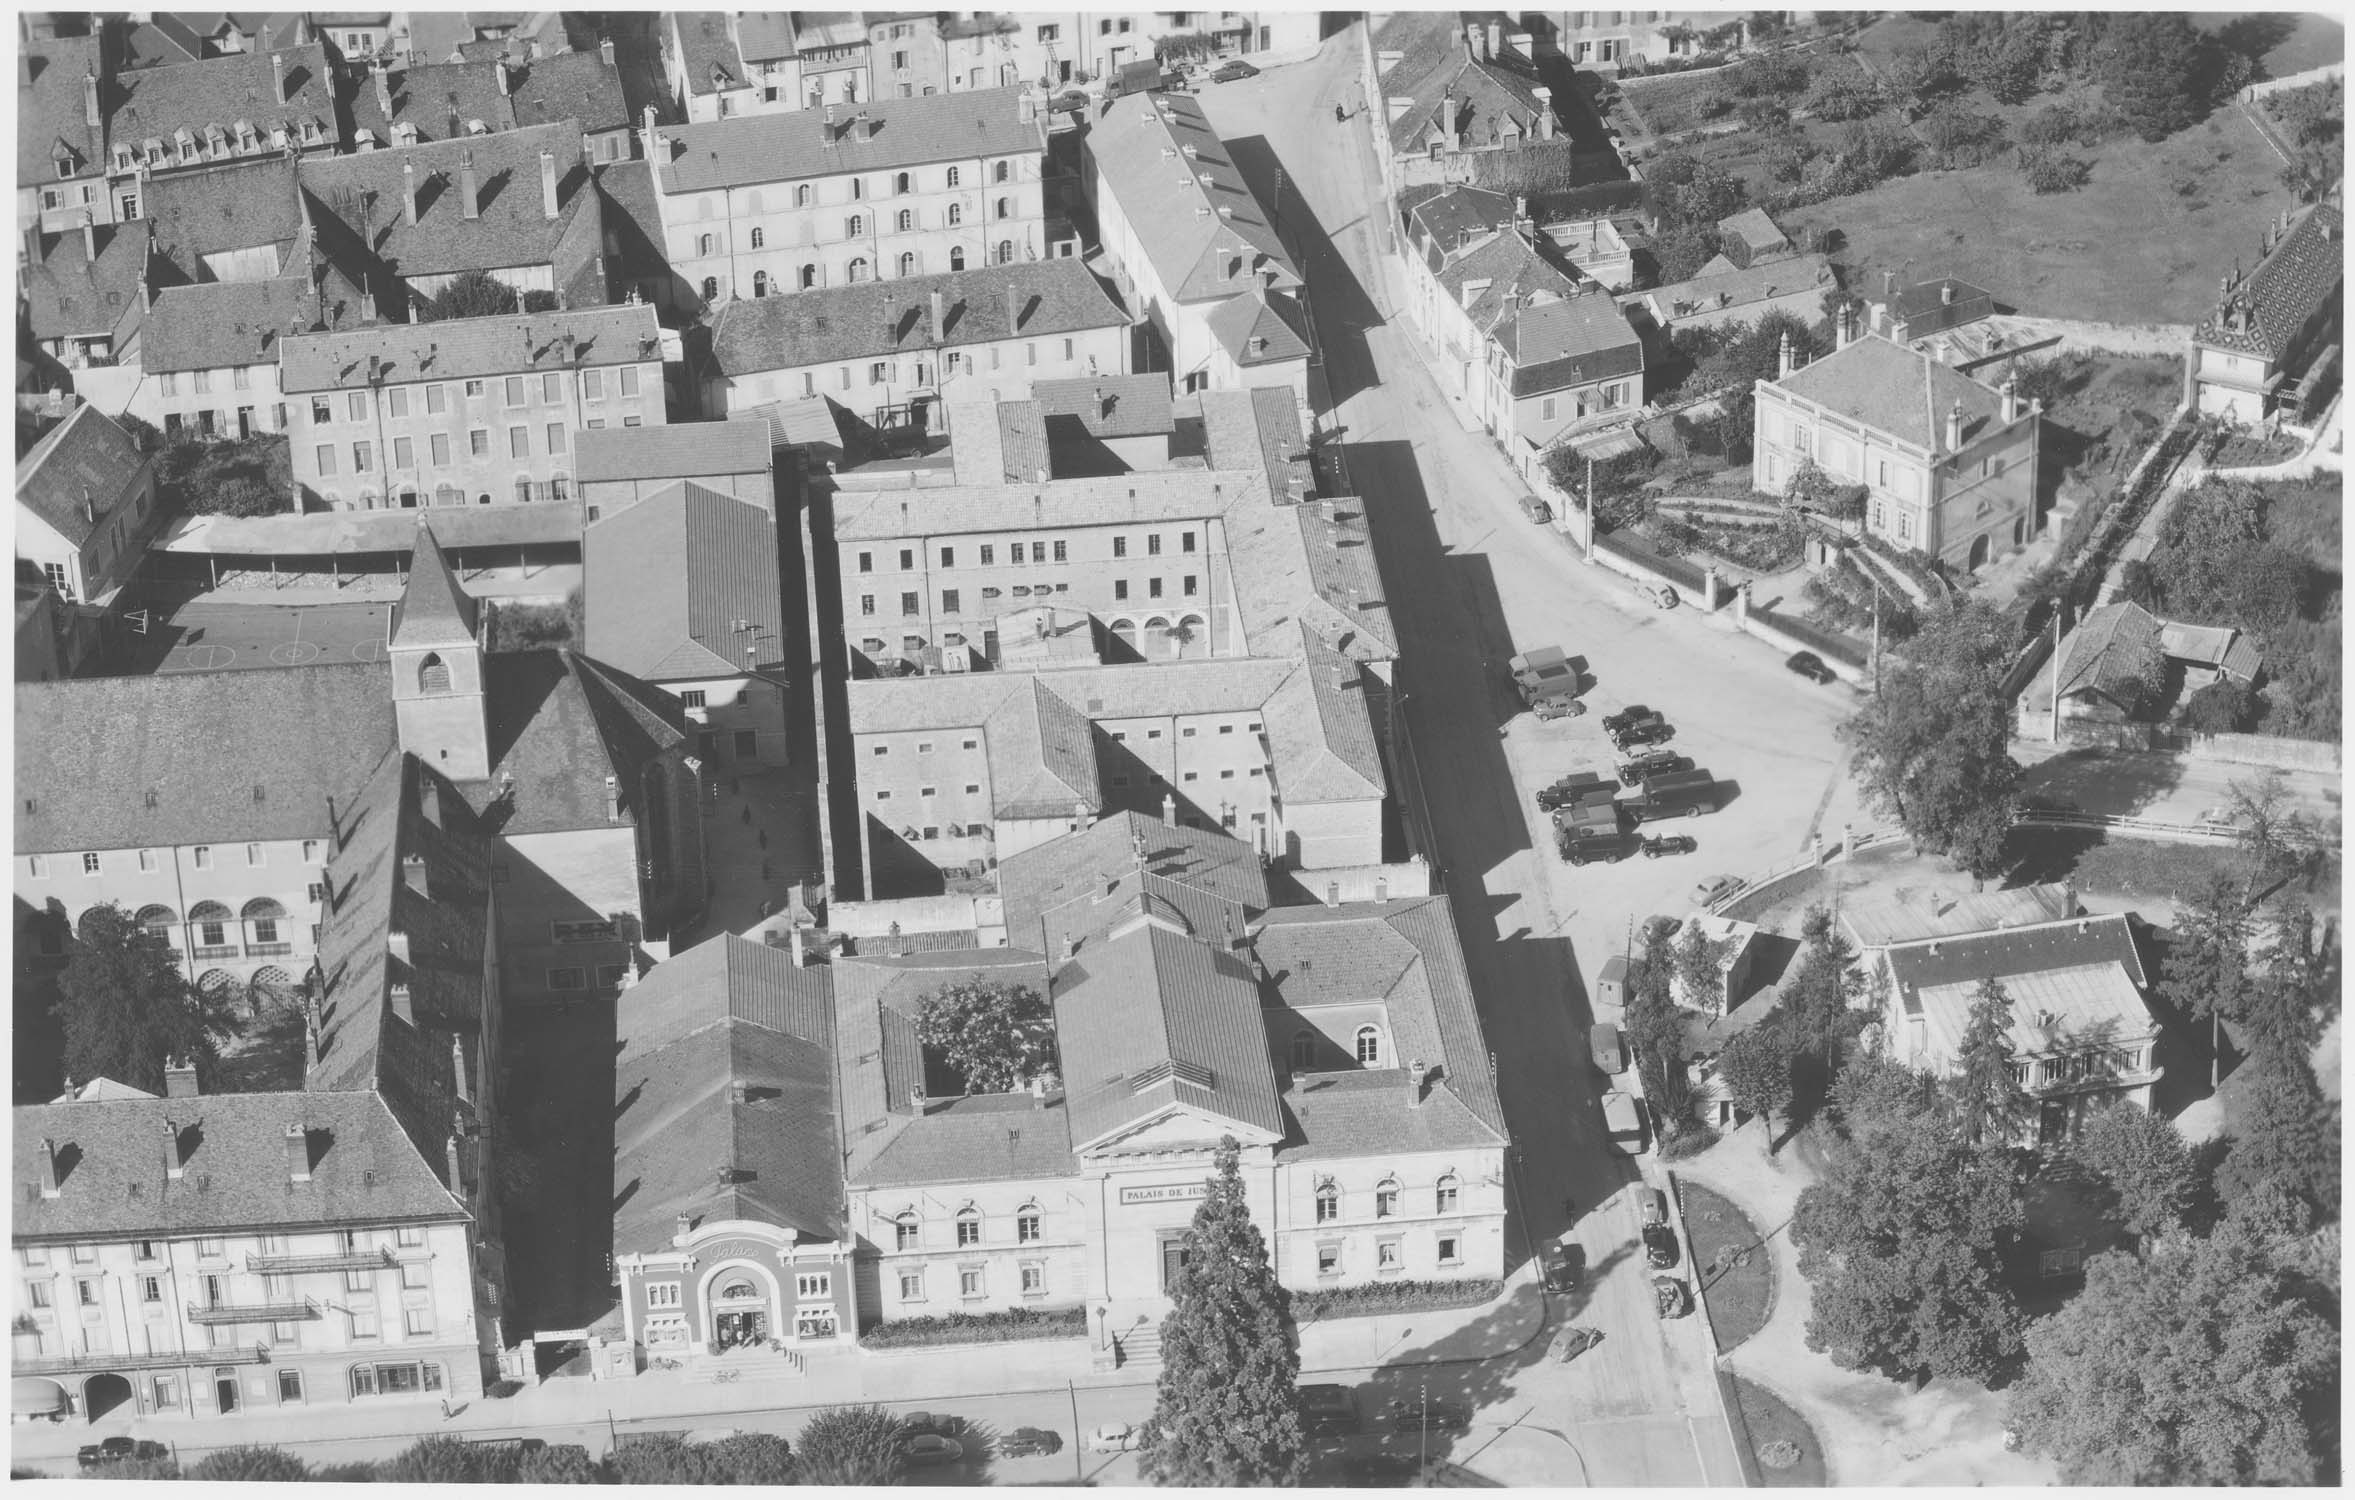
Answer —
739 1303
1978 554
101 1394
225 1390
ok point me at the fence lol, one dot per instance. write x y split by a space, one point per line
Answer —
2265 750
1674 570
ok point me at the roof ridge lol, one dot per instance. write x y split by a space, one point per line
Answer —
432 597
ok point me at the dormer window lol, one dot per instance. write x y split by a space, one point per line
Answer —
122 159
216 140
278 137
65 164
477 127
185 141
310 132
404 134
246 139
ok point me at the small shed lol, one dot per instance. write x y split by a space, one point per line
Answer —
1611 985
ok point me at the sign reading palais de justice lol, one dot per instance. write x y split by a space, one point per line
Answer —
1170 1192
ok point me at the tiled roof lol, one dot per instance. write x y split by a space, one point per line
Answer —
765 35
725 978
1030 299
512 229
82 472
1445 218
434 609
804 143
559 725
2053 1010
1754 228
1735 287
2303 271
1356 1114
240 206
65 293
1574 328
1184 197
1941 303
983 1138
632 214
1257 329
1014 448
1309 564
1319 732
444 99
52 111
668 584
1108 406
1044 877
1142 497
234 1158
580 87
2218 646
194 757
816 425
1906 913
215 323
2072 943
1895 391
675 450
705 47
2099 655
237 88
1150 1018
458 348
1489 94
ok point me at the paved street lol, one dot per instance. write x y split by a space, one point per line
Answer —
1474 582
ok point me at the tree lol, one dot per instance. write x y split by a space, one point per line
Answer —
1876 1093
2199 1362
1227 1411
2207 963
1756 1067
1844 95
1931 746
2141 1157
997 1037
749 1458
845 1445
479 294
1700 968
659 1459
2148 63
1656 1028
559 1463
443 1460
126 1007
2270 826
250 1463
1992 1105
1899 1242
2052 170
2285 1136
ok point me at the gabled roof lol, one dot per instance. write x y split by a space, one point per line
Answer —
1109 406
1319 731
364 193
457 348
241 206
807 143
211 324
1257 329
1903 914
1573 328
766 35
1045 877
1736 286
2065 1008
2100 653
724 1097
675 450
1447 217
562 86
1895 391
2303 271
1028 299
225 91
98 1090
433 610
1188 203
82 472
1490 94
2218 646
52 110
66 293
669 584
194 757
2071 943
580 87
707 53
1756 230
560 725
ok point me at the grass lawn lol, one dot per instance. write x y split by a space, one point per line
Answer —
1771 1422
2294 41
2129 247
2148 868
1741 1295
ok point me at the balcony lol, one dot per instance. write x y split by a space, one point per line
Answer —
222 950
341 1260
108 1364
255 1312
268 950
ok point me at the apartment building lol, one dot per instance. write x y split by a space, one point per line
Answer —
1197 255
795 202
85 506
1949 463
475 411
1461 98
723 64
204 362
893 350
618 467
445 101
2270 348
60 135
83 295
1592 38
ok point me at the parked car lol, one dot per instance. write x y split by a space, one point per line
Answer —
1669 843
1537 510
928 1449
1613 723
1660 1247
1327 1410
1116 1437
1573 1341
1648 731
1715 889
941 1424
115 1450
1030 1442
1671 1296
1649 763
1559 1263
1661 594
1609 1047
1654 1204
1413 1413
1233 69
1578 786
1810 666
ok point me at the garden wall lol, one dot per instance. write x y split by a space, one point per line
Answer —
2266 750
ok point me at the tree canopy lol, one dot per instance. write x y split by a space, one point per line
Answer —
2199 1362
996 1037
479 294
2141 1158
1655 1027
845 1445
1931 747
1756 1067
126 1007
1227 1411
249 1463
1992 1106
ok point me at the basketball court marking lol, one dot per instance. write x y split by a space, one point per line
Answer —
209 658
293 653
368 650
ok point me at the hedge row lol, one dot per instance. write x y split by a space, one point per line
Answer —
1392 1296
978 1328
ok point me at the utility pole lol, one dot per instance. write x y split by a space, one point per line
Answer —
1590 509
1876 634
1079 1465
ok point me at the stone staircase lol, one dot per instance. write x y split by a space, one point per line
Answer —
1139 1348
749 1364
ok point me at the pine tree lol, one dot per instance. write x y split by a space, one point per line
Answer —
2207 964
1993 1106
1756 1067
126 1007
1228 1410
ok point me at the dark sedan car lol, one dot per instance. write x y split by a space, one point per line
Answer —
1649 731
1669 843
1233 69
1660 1248
1613 723
1029 1442
1810 666
1645 764
1327 1410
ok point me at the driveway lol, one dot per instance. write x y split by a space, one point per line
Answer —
1473 582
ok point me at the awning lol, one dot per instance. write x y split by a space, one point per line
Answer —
327 532
1598 446
36 1396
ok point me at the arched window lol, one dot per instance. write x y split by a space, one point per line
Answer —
858 268
1328 1203
904 182
906 220
1029 1224
809 277
1443 1198
911 1230
856 227
968 1227
1304 1051
1001 171
711 288
559 487
1386 1198
801 195
523 490
159 920
956 175
907 263
1005 208
433 674
956 257
956 214
760 283
1005 252
760 237
265 915
448 494
707 244
1369 1046
739 1290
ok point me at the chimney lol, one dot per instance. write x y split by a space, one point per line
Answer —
89 238
402 1003
413 874
1013 314
866 126
172 1168
682 1227
646 134
450 1159
506 84
1946 295
1496 42
1545 111
1414 1084
32 245
800 957
179 1078
368 315
49 1185
939 333
737 1094
310 1046
1169 809
612 800
91 115
1447 118
1954 421
277 77
605 50
1782 364
467 204
547 183
1026 107
298 1154
384 102
408 192
2011 397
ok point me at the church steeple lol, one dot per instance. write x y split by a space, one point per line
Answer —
433 640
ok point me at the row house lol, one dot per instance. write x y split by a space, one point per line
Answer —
83 296
723 64
244 107
1949 464
1462 98
85 507
444 101
773 204
60 135
476 411
204 362
2270 349
618 467
1197 253
893 350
